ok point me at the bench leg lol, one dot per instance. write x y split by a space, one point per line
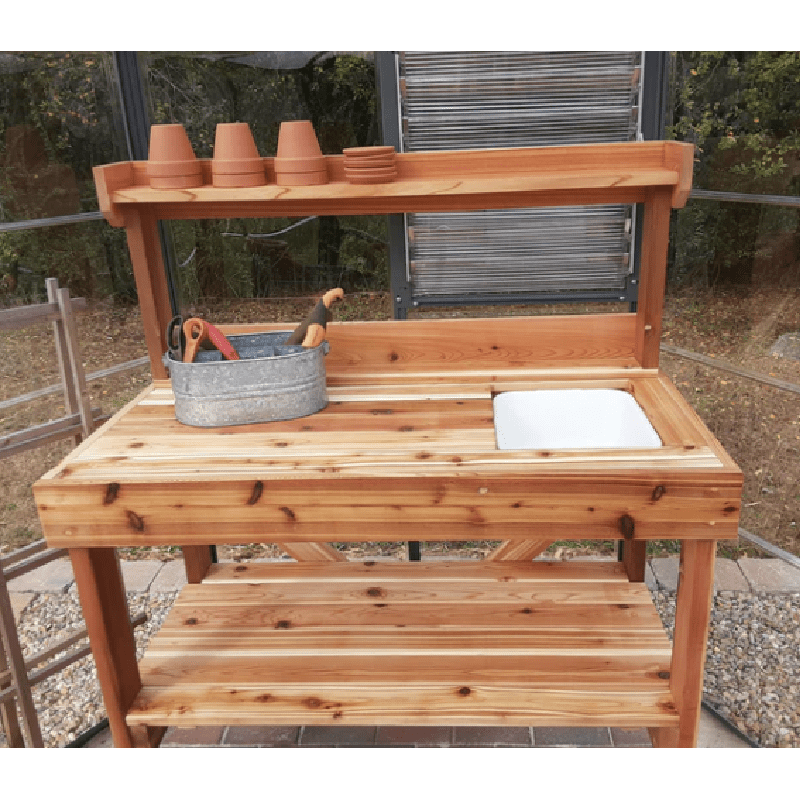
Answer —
105 610
692 616
634 557
196 560
145 736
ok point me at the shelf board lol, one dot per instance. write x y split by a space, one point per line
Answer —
373 643
433 181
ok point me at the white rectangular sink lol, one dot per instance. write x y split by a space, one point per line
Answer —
571 419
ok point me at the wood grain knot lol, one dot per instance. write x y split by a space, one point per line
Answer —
135 521
658 493
663 674
312 702
283 624
255 495
626 526
112 492
191 621
290 515
375 591
464 691
240 568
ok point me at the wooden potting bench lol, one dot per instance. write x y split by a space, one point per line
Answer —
406 450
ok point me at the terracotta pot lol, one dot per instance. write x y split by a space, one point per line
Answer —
241 180
378 150
172 163
234 141
301 178
369 161
311 164
296 139
370 176
370 171
168 169
170 143
233 166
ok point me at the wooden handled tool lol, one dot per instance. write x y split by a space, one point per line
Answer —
198 332
311 331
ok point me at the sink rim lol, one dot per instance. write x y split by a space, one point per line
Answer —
513 409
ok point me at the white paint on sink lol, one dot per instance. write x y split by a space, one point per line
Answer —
571 419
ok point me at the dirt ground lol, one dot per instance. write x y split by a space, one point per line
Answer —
758 424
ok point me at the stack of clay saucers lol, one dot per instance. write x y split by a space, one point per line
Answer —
299 161
370 164
171 162
236 161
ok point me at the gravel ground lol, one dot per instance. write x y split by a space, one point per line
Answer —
69 702
752 673
752 669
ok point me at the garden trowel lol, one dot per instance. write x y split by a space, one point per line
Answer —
311 331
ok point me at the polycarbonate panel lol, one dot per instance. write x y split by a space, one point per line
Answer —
468 100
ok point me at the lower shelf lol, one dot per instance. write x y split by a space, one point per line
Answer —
453 643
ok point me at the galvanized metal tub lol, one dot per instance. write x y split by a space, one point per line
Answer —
270 381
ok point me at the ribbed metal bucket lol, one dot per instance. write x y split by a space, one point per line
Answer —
270 381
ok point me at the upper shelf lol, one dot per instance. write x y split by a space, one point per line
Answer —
463 180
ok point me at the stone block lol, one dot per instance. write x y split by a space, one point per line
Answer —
171 577
414 736
56 576
728 577
491 736
338 735
205 736
138 575
665 571
262 736
770 575
572 737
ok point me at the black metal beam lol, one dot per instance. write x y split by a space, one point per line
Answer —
136 125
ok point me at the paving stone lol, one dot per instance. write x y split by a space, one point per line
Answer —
53 577
138 575
171 577
19 602
414 736
728 577
572 737
770 575
204 736
490 736
665 571
649 577
630 737
262 736
338 735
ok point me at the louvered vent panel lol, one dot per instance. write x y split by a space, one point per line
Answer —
461 100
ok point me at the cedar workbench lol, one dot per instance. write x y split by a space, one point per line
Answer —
406 450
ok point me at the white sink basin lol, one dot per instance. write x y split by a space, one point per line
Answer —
571 419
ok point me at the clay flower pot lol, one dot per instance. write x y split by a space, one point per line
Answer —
236 160
301 178
296 139
172 163
299 161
